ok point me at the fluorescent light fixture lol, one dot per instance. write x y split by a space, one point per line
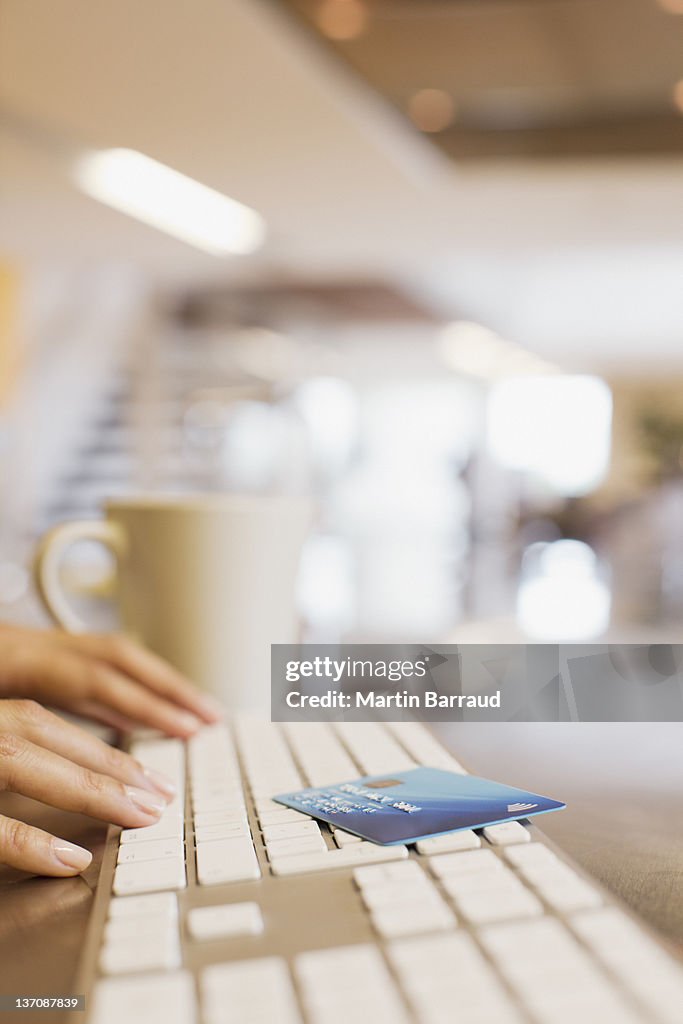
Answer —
470 348
169 201
473 349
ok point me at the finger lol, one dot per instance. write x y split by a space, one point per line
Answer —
137 703
75 677
101 713
152 671
43 728
32 771
31 849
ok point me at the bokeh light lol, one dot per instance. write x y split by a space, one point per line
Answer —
342 20
431 110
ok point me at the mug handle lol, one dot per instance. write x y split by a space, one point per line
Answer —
48 561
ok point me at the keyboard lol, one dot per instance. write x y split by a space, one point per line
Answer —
233 909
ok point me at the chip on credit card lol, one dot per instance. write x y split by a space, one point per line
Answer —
404 807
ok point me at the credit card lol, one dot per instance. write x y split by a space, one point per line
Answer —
417 804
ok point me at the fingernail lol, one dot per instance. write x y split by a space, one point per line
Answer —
145 801
160 782
211 707
187 722
70 855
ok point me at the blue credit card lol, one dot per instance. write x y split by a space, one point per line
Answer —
417 804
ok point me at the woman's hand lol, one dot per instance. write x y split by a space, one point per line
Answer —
105 677
48 759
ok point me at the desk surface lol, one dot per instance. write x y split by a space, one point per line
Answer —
623 785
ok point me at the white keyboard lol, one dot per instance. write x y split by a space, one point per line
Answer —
209 908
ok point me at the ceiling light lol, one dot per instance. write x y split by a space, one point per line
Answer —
519 362
470 348
342 19
431 110
169 201
473 349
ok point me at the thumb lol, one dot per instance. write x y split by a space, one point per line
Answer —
30 849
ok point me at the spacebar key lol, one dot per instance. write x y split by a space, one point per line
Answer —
346 857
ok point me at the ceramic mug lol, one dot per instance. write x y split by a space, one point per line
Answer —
206 581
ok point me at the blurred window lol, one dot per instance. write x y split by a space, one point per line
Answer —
555 428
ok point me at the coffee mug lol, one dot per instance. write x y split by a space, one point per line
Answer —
206 581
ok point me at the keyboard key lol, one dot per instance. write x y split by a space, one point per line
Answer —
166 828
459 863
423 747
225 921
342 838
553 975
305 827
569 893
217 802
149 876
227 791
470 882
216 783
530 855
156 904
264 806
269 765
559 884
132 929
498 904
267 786
350 856
387 894
412 918
226 860
320 753
301 844
449 843
373 747
282 817
339 984
223 817
246 991
165 756
507 833
154 849
407 872
176 808
447 979
592 1002
155 999
533 945
131 957
643 967
226 830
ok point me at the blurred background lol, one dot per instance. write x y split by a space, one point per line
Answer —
434 277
